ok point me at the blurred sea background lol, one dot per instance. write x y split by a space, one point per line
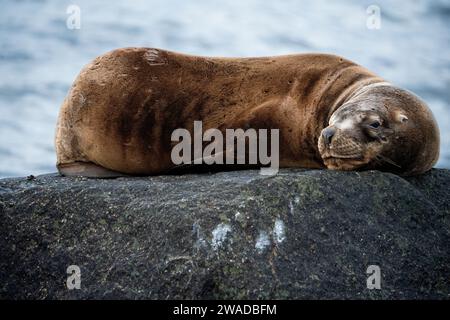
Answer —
40 56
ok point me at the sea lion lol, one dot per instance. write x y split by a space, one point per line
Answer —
331 113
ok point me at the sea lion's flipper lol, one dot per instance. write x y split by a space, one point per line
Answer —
87 169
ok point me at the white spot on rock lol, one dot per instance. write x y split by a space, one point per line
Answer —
291 207
279 231
262 242
200 242
219 235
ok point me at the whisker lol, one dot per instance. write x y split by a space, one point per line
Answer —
386 159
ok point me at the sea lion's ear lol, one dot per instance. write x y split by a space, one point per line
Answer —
400 117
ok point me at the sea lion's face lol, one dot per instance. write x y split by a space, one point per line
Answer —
390 130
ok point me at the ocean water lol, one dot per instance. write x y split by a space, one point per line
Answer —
40 55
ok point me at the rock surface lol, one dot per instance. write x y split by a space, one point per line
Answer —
300 234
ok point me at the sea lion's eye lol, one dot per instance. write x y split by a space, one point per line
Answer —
375 124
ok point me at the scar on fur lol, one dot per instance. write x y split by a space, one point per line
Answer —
154 58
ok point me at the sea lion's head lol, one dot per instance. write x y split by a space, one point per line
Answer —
381 127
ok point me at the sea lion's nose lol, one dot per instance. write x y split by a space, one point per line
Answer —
328 134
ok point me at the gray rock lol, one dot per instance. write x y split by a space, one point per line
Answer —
299 234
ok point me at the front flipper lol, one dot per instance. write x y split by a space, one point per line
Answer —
87 169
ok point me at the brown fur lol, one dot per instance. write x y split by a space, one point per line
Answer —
123 107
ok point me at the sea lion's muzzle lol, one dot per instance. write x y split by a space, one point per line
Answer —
344 149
